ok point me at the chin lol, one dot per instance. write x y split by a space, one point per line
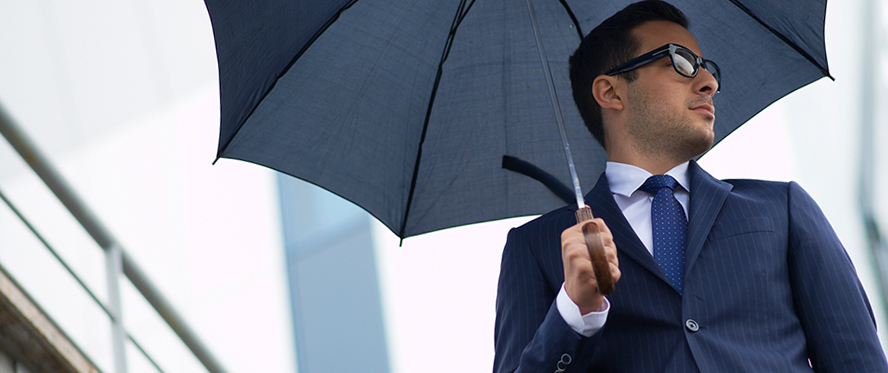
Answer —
698 146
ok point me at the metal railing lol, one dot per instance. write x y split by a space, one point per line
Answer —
117 262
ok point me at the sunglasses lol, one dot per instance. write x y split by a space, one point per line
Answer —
685 62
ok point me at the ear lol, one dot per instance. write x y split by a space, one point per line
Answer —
606 93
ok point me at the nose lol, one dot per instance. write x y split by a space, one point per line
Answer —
705 82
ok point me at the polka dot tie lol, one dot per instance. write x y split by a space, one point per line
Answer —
670 227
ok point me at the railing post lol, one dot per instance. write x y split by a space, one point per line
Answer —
113 270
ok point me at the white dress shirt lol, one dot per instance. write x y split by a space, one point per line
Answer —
624 181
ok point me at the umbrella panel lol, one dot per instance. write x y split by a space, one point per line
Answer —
496 103
379 78
350 114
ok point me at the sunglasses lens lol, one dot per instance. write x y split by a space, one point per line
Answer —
712 69
684 62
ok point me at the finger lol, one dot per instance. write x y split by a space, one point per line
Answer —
573 248
607 239
602 226
572 233
603 229
615 272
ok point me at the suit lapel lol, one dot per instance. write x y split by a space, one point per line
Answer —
707 196
602 203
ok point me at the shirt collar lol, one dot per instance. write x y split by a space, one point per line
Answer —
624 179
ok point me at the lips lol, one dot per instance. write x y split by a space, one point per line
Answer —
705 108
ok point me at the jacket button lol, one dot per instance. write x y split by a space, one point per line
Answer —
563 363
692 325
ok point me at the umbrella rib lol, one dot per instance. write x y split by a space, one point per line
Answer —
461 12
573 18
284 72
526 168
786 40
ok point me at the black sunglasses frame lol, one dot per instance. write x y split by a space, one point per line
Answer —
669 50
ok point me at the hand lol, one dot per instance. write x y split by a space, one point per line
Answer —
579 274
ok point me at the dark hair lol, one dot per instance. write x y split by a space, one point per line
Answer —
606 47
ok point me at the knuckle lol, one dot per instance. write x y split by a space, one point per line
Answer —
573 254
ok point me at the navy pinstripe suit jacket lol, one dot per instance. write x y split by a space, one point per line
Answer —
767 283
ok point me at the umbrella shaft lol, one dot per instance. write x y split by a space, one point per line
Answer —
578 191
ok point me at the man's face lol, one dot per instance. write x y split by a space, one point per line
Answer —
669 115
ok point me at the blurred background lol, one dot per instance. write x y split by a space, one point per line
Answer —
275 275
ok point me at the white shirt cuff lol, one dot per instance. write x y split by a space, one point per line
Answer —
587 324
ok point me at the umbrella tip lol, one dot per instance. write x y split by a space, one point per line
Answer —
826 74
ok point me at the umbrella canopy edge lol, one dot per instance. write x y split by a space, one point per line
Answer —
823 69
224 146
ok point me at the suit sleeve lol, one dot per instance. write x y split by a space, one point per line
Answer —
835 313
530 335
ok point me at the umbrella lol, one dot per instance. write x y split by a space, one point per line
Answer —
408 107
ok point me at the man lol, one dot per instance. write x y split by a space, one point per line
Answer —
714 276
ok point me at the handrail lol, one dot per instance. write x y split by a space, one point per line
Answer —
73 274
55 254
56 183
144 353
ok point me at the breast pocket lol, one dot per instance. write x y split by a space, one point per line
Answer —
735 227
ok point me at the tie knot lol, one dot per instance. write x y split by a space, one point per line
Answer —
657 182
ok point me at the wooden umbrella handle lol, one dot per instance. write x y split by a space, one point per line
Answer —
595 244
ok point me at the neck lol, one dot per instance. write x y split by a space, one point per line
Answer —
654 165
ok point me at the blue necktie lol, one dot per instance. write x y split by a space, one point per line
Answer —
670 227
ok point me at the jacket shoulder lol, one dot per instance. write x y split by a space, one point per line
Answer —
760 189
558 219
756 184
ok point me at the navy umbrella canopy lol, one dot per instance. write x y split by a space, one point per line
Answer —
407 107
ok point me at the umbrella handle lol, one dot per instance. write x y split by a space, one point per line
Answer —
595 244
